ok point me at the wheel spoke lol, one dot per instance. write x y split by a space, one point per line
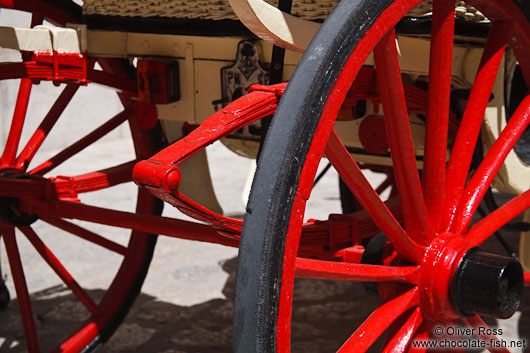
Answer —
86 235
495 220
421 335
466 138
21 288
82 143
353 177
379 321
483 177
19 115
60 270
403 337
45 126
435 155
424 334
445 336
479 326
343 271
400 139
135 221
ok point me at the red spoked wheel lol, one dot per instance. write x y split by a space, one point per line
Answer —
431 272
35 183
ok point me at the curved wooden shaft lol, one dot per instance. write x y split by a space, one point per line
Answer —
275 26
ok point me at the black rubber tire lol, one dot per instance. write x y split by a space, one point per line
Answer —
278 170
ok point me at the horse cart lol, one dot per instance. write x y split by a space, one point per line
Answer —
431 94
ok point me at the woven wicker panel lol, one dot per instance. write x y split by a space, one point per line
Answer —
196 9
221 10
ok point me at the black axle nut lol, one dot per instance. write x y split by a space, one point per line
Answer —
487 284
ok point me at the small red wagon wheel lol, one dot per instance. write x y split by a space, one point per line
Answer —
429 275
29 188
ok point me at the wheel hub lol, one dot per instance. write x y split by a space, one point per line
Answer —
10 211
460 280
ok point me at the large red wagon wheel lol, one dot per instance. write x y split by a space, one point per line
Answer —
21 177
432 274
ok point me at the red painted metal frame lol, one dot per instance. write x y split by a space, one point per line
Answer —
160 175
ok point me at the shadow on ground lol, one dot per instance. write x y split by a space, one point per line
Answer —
326 313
